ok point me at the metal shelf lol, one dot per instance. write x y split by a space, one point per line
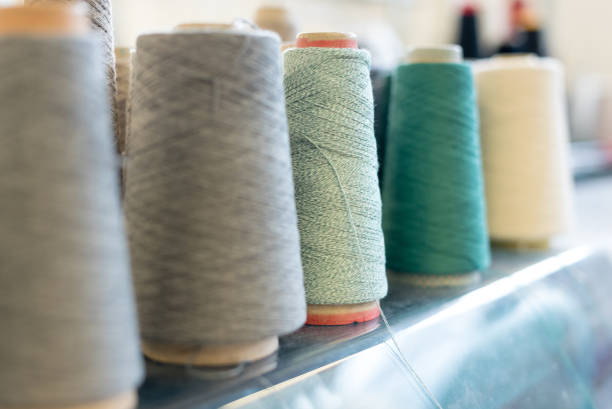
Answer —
532 334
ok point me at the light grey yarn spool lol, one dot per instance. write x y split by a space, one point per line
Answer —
101 16
69 330
209 195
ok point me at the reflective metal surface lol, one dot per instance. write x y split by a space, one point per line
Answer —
535 333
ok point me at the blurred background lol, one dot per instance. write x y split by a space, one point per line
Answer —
576 32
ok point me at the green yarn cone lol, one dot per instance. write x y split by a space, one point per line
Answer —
330 115
434 216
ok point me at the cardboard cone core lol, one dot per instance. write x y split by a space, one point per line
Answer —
45 18
342 314
211 355
327 40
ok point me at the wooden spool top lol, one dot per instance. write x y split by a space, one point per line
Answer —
434 54
272 14
211 355
50 19
327 40
271 11
277 19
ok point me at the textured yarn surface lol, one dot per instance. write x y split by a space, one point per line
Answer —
210 197
525 147
101 16
124 73
433 199
381 87
68 321
330 112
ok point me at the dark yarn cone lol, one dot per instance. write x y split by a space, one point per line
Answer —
381 87
468 33
534 43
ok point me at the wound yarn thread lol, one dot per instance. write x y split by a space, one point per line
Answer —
123 58
381 88
128 118
101 16
69 328
433 199
210 197
333 149
525 147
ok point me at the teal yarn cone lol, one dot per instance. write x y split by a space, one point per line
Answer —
331 128
434 215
